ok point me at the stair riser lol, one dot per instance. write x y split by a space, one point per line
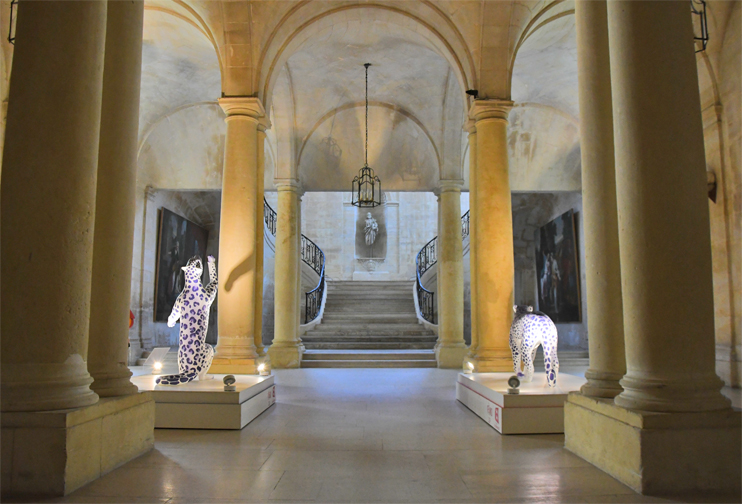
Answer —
367 356
368 346
368 364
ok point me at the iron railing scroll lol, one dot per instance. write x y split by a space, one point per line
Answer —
465 225
313 256
270 217
426 258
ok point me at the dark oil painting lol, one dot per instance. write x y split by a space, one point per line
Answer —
558 275
179 239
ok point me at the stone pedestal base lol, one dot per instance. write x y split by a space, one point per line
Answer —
536 409
57 452
285 357
657 453
206 405
451 356
226 365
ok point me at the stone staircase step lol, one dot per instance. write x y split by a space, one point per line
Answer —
369 324
325 345
369 364
368 355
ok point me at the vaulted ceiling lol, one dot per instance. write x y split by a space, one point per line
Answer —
304 59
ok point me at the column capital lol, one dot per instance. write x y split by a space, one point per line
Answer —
470 126
264 124
283 184
247 106
450 185
495 109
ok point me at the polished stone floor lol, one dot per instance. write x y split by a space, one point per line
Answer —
360 435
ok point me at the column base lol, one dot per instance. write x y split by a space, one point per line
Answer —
451 355
234 365
53 453
491 361
285 356
600 384
657 453
114 384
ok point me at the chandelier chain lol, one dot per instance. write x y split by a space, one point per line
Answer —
367 65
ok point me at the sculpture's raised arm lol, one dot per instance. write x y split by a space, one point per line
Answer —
211 289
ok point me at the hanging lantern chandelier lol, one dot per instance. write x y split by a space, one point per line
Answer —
366 190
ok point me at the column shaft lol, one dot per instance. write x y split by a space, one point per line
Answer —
451 349
48 204
260 242
472 236
493 239
285 352
238 245
662 211
600 213
108 352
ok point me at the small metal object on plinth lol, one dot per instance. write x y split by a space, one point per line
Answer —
229 383
513 384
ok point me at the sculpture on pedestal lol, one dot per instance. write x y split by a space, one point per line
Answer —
192 308
530 329
370 230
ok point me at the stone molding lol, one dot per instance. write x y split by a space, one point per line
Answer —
451 185
287 185
242 106
495 109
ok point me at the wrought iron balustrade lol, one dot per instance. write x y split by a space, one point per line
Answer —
313 256
270 217
425 259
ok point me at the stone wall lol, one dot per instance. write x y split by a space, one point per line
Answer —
530 212
200 207
720 80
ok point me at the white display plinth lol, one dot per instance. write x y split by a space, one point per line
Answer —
537 409
205 404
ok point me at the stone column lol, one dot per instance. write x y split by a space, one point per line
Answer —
238 244
602 263
48 204
472 130
260 240
493 240
108 352
662 211
451 349
286 350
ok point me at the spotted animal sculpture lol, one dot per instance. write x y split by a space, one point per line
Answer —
529 330
192 308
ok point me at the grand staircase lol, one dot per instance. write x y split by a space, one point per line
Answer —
369 324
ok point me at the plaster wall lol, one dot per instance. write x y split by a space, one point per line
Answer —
330 220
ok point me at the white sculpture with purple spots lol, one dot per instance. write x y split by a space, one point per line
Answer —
529 330
192 308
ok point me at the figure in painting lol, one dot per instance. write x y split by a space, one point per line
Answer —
192 308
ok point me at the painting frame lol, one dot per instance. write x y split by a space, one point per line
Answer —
178 239
558 280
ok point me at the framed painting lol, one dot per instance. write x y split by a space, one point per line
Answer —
557 268
178 240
